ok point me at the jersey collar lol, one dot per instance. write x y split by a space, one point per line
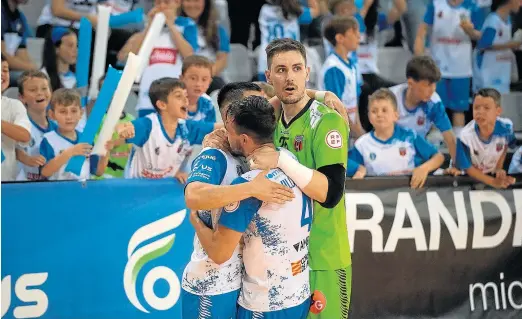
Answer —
298 115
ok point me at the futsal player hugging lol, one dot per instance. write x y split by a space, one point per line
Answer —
162 140
196 74
60 145
482 144
390 149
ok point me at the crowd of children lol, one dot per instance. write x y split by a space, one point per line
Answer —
175 114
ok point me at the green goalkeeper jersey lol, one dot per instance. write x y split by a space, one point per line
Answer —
318 137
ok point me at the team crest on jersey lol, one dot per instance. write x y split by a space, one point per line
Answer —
298 143
402 151
32 142
440 14
500 33
232 207
500 147
476 152
157 150
372 156
334 139
421 120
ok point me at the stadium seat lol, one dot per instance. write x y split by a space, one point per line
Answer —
130 105
511 108
315 63
35 48
11 92
392 63
239 64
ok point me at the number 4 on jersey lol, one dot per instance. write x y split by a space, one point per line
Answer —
306 216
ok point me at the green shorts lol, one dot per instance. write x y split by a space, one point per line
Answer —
331 292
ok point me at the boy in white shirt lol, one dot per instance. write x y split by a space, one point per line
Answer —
15 128
163 139
390 149
338 73
482 144
452 24
35 93
196 74
60 145
419 106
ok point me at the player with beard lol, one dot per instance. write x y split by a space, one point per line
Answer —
209 288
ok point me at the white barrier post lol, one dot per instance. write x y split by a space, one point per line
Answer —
118 103
100 49
150 39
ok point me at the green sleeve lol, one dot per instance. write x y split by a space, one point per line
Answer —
330 142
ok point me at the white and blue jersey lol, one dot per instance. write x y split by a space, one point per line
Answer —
354 55
165 59
53 144
205 112
275 251
155 154
273 25
399 155
340 77
450 46
483 155
207 50
492 69
203 277
424 116
516 162
28 173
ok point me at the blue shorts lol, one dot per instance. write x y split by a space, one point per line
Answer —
216 307
143 113
455 93
296 312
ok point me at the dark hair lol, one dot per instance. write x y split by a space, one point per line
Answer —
383 94
255 117
161 88
495 4
284 45
421 68
338 25
235 91
50 57
196 60
289 7
332 4
208 21
491 93
3 58
29 75
65 97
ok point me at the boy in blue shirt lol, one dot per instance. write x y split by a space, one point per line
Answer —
60 145
482 144
196 74
163 139
393 150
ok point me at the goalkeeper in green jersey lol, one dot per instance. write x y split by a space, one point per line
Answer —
318 137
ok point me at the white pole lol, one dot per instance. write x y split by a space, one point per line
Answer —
100 49
118 103
150 40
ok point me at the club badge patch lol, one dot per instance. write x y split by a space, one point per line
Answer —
298 143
